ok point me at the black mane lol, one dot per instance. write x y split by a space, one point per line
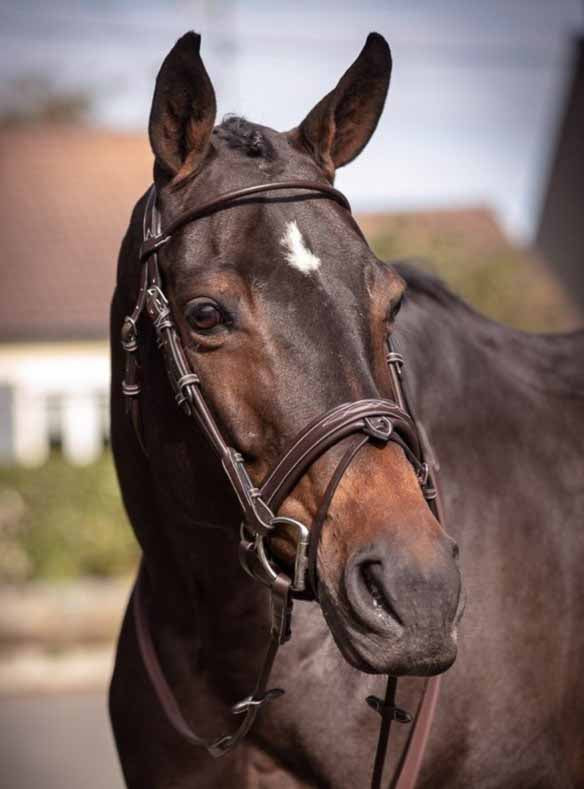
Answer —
428 284
246 137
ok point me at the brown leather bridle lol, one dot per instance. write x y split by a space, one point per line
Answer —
377 420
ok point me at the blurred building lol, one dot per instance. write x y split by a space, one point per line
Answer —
68 193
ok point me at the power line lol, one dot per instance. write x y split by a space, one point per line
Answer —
474 53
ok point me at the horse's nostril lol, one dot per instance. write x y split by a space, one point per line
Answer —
372 575
455 550
372 585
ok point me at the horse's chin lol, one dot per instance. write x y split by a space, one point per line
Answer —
397 652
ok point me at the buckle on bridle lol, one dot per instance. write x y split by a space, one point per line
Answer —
129 335
301 558
255 561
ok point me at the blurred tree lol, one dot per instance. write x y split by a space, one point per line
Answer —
469 251
34 97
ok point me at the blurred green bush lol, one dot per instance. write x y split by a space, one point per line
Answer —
62 521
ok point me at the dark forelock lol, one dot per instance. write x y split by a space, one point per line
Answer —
246 137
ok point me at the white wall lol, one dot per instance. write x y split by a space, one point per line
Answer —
54 391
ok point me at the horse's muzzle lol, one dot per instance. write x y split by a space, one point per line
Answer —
398 609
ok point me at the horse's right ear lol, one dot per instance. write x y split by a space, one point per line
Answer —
183 111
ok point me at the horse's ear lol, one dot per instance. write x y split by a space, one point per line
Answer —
183 110
340 125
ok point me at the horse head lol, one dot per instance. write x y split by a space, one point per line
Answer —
283 311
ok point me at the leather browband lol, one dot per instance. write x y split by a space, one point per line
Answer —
152 243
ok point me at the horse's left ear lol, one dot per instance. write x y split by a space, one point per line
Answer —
183 111
340 125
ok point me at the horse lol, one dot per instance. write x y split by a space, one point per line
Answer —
282 312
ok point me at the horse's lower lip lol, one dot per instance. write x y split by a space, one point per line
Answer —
388 647
394 656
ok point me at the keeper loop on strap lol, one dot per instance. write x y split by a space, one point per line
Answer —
423 474
183 402
251 701
152 244
164 321
389 710
378 427
395 358
430 493
131 390
188 380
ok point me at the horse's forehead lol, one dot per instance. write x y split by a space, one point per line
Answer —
304 243
301 238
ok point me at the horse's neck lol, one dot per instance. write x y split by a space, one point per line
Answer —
210 620
453 358
433 357
460 367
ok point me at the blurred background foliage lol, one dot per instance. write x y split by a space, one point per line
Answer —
35 98
468 250
62 521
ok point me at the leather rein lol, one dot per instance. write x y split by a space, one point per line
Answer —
377 420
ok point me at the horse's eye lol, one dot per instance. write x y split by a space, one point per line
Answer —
204 315
395 309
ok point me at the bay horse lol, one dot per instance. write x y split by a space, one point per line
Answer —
270 308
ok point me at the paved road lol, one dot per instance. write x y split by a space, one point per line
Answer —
57 742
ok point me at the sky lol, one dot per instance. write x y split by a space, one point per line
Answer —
473 108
